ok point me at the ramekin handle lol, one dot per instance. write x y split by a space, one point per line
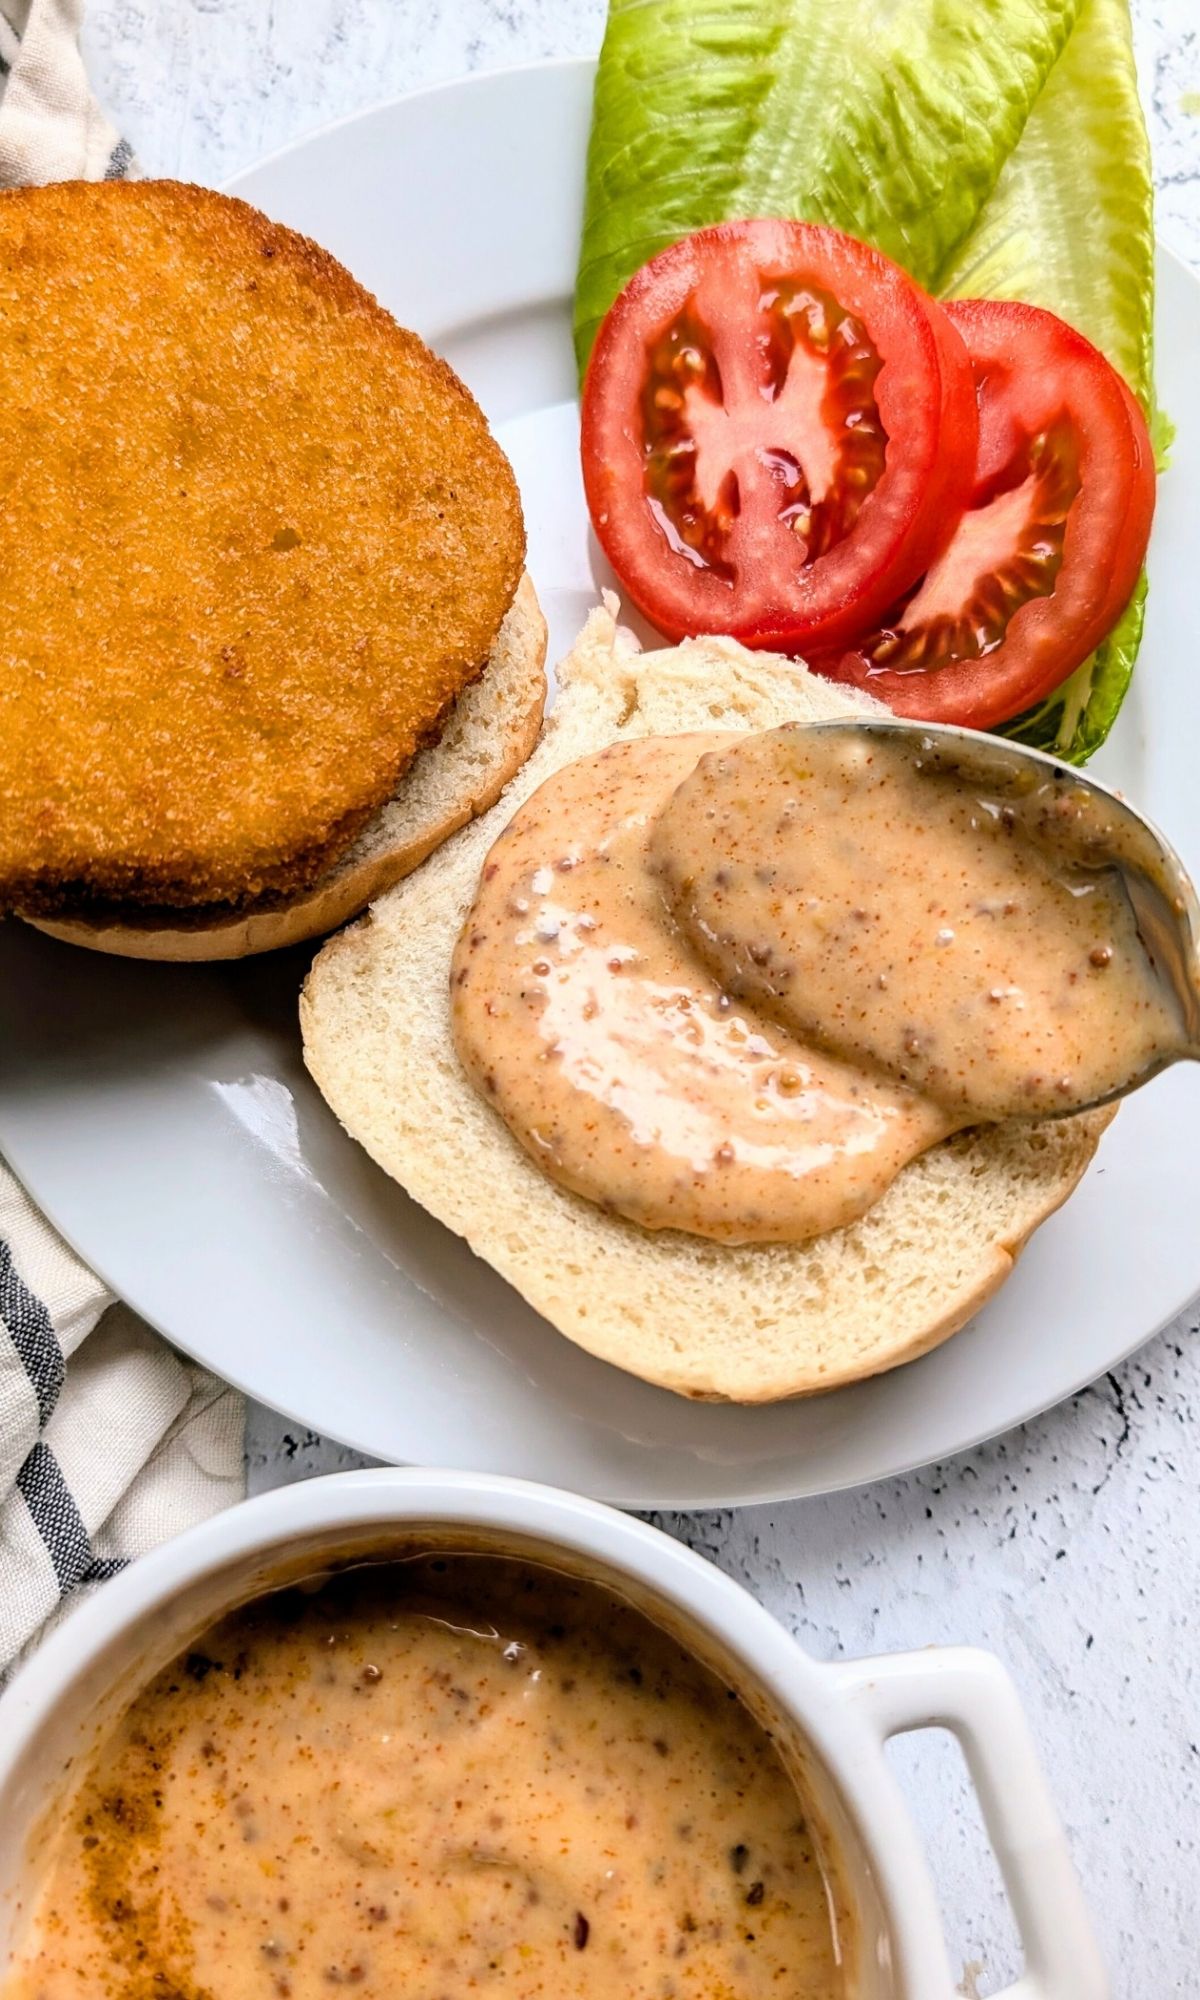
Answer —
970 1694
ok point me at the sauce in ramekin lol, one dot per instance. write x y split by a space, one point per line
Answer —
436 1778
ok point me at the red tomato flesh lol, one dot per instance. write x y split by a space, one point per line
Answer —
1045 557
779 432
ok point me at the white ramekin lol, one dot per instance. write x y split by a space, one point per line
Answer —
831 1720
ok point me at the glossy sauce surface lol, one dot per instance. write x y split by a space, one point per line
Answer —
733 984
894 910
433 1779
621 1064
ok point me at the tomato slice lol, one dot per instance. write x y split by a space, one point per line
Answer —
779 431
1045 558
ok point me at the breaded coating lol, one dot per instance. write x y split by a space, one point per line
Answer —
257 539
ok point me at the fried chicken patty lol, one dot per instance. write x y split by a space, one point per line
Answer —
258 539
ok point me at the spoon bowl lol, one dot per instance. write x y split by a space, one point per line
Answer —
1102 832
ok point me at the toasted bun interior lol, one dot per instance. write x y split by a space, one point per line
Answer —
749 1324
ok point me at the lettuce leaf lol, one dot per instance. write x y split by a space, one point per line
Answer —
1069 225
1073 722
996 148
893 122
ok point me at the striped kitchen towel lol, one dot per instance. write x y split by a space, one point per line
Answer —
51 127
109 1441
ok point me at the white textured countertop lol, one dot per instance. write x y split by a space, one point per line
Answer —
1071 1547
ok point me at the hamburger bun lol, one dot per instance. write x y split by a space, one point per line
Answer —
751 1323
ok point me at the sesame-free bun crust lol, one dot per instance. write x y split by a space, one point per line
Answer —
749 1324
265 540
490 732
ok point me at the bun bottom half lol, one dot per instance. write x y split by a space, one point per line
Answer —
751 1323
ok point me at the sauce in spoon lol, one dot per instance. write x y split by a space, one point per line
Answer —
976 945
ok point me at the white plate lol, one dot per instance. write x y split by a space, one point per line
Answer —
162 1116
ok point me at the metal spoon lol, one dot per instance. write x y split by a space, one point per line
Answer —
1109 833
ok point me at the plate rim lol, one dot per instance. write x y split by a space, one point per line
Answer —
588 65
751 1491
396 100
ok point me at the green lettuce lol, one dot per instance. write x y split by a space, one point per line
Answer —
995 148
1069 225
891 122
1073 722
